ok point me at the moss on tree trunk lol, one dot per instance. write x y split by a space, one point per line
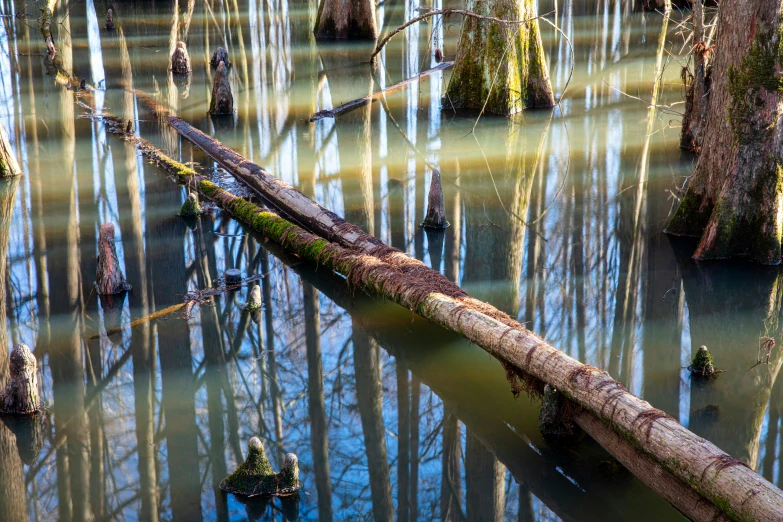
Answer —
502 65
352 19
734 199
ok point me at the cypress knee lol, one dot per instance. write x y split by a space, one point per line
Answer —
110 279
180 60
222 100
21 393
436 207
109 20
220 55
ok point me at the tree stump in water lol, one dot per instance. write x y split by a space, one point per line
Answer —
109 20
222 100
110 279
702 363
255 476
20 395
233 276
436 207
220 55
180 60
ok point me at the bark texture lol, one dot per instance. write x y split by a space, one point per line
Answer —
696 85
110 279
734 199
500 65
21 393
352 19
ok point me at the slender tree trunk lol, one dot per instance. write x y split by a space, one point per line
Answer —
500 65
734 199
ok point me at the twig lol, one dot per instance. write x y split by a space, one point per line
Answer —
446 12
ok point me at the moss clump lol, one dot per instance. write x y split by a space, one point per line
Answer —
190 208
702 363
254 476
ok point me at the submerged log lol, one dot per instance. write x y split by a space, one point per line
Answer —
21 395
180 60
436 207
110 279
222 100
220 55
361 102
726 482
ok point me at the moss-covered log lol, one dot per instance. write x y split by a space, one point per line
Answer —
735 489
500 68
734 199
353 19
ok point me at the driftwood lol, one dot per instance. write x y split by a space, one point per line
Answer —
715 475
21 395
361 102
222 100
180 60
110 279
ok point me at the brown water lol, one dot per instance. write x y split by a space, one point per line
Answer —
556 219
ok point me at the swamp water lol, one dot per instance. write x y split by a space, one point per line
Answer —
556 219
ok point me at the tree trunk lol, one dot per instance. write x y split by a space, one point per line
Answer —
500 65
734 199
351 19
696 85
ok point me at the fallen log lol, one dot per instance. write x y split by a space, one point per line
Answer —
728 483
361 102
732 487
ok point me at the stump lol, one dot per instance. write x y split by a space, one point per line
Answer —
255 477
20 395
190 208
436 208
180 60
233 277
222 100
109 20
253 303
220 55
110 279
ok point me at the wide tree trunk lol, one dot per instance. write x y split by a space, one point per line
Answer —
353 19
734 199
500 67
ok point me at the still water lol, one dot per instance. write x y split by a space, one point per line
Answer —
556 219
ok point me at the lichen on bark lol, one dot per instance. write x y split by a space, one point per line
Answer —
500 65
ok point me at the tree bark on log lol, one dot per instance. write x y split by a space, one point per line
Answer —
729 485
500 68
734 199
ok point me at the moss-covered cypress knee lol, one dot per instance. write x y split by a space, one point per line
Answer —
190 208
288 478
254 476
702 363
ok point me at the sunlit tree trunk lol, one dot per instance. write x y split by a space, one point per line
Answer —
500 67
353 19
734 199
